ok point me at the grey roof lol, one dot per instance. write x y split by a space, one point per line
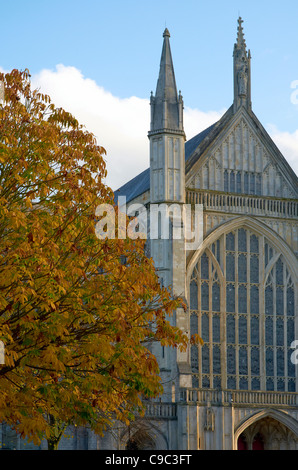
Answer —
141 183
193 143
135 187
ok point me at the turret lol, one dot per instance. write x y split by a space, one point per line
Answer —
167 197
166 134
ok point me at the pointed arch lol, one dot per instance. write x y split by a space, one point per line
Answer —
261 229
277 415
143 435
247 319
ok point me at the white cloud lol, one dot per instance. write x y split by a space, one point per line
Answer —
287 143
121 125
196 121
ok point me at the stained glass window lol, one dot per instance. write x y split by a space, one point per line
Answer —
243 306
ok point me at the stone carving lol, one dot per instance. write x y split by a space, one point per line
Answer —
209 424
210 417
242 81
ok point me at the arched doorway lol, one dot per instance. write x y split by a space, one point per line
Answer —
143 435
140 440
267 434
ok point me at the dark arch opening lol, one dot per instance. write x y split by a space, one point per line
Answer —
140 440
132 445
258 442
241 444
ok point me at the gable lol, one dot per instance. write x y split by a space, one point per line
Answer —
241 158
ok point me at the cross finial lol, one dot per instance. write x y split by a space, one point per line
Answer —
241 70
240 34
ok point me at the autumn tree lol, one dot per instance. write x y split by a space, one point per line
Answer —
77 314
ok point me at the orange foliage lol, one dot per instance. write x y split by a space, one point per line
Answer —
76 322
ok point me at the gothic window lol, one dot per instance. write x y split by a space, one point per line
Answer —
242 305
237 181
279 324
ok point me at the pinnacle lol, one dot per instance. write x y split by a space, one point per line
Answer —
166 103
166 33
240 34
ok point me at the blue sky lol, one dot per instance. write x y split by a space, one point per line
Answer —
111 49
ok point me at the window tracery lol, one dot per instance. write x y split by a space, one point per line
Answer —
244 182
242 305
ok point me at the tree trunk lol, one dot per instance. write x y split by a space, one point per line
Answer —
57 429
53 444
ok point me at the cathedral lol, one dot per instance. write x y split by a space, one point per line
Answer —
236 389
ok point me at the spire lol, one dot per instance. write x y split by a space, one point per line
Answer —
166 105
242 84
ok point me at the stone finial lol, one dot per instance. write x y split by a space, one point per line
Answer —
242 85
240 35
166 33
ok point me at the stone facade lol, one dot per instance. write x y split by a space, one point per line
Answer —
239 389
